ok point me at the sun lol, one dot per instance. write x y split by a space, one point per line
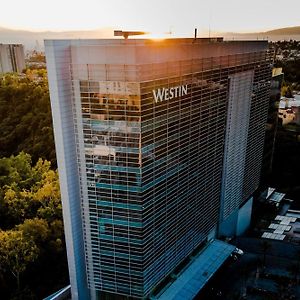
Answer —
158 36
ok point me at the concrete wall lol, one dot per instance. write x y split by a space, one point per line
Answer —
235 142
244 217
58 63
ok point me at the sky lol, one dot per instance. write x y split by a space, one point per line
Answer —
155 16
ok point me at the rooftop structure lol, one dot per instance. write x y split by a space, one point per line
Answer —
270 195
188 284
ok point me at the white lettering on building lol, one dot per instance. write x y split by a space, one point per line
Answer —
168 94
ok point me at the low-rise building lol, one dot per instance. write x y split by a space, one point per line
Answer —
289 110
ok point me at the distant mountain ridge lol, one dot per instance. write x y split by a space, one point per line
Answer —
285 31
35 40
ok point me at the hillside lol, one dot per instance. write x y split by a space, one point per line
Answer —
31 39
35 40
284 31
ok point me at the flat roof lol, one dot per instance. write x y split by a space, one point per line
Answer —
293 214
285 219
289 102
142 41
277 197
280 227
151 51
196 275
273 236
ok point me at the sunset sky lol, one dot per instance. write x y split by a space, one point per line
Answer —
156 16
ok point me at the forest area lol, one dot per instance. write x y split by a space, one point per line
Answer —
32 248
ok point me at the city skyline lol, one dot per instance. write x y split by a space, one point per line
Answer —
155 17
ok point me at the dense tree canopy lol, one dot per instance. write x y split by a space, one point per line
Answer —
291 70
25 116
16 252
31 228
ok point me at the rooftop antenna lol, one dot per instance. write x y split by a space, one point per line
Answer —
195 35
170 31
209 19
126 34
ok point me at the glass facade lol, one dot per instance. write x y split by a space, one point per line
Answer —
154 167
143 126
111 114
257 124
182 144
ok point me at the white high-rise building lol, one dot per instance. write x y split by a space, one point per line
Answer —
159 147
12 58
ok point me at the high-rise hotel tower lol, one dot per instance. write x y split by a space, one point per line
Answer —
159 147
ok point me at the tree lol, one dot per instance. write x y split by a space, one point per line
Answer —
16 206
286 91
49 196
57 236
31 213
16 169
16 252
36 229
25 116
27 192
